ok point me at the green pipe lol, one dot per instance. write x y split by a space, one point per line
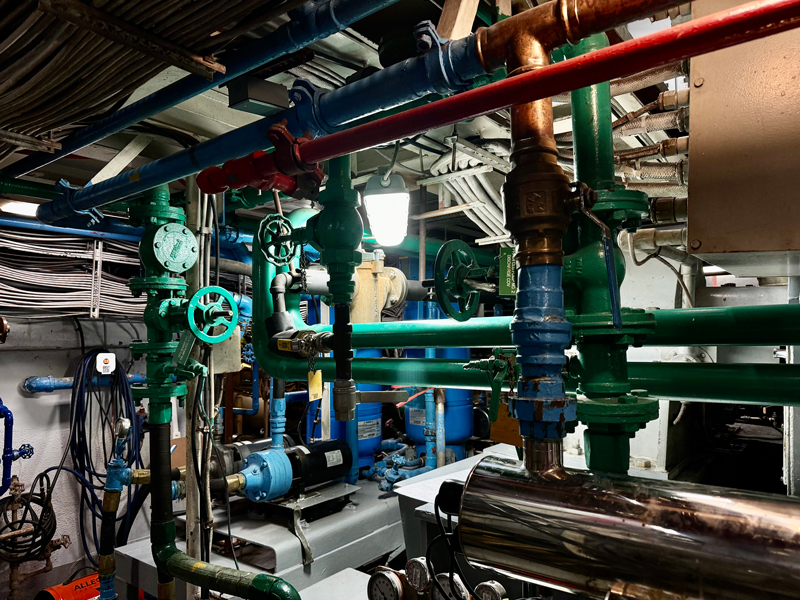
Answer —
386 371
707 382
489 332
31 189
764 325
410 246
591 124
241 584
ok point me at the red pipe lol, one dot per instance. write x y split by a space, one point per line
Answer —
721 30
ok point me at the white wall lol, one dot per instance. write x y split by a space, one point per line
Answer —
42 420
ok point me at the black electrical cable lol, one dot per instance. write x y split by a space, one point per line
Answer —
301 422
79 328
454 566
228 511
213 203
196 465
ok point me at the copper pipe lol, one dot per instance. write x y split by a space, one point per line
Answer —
537 190
554 24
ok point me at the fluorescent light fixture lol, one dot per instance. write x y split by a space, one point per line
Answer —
387 202
23 209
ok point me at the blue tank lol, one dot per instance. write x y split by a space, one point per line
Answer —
458 422
369 417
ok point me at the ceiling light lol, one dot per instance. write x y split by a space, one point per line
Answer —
24 209
386 198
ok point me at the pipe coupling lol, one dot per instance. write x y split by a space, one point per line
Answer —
345 399
537 197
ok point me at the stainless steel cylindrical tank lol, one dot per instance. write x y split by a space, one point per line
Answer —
639 538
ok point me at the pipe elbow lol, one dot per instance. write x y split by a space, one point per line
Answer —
269 587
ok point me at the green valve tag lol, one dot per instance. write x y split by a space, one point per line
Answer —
184 351
508 272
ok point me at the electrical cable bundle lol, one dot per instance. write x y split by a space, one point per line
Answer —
44 275
92 415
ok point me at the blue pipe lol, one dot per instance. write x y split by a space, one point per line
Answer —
48 383
312 22
445 69
123 233
441 439
245 304
431 440
233 235
114 229
541 333
9 454
277 420
8 447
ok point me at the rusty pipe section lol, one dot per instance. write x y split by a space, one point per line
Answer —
597 535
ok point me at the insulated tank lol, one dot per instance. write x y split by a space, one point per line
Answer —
458 421
603 535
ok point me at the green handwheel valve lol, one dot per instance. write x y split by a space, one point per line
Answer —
204 318
455 266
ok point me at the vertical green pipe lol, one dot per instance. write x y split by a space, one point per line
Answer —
591 124
603 359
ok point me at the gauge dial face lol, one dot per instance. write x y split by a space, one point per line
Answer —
490 590
461 592
417 574
385 586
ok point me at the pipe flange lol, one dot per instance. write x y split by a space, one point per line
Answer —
287 157
636 324
632 409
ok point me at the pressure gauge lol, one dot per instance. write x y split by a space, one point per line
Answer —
490 590
461 592
385 585
417 574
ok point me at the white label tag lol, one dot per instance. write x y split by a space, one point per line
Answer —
369 429
334 458
416 416
105 363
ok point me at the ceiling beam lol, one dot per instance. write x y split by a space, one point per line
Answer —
457 18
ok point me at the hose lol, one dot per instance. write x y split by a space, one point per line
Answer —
634 83
677 172
677 119
659 189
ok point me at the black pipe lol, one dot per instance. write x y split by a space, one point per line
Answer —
278 388
343 342
161 483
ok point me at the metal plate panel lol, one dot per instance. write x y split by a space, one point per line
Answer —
745 123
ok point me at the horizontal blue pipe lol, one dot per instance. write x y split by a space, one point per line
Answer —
317 113
38 385
314 21
120 232
233 235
